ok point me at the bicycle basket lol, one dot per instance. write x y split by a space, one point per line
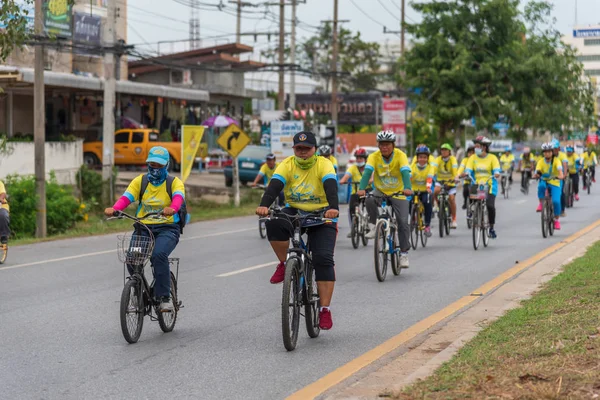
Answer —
134 249
479 192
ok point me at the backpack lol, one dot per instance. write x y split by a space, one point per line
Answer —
182 213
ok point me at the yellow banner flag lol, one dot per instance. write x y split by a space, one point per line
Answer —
191 135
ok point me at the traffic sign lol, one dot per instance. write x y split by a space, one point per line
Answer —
233 140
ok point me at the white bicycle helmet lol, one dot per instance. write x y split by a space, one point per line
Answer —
547 146
325 150
386 136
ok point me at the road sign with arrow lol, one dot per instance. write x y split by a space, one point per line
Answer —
233 140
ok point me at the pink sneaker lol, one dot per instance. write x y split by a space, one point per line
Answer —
556 225
539 208
325 321
279 274
577 197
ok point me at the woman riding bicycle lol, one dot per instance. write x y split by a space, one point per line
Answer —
155 198
550 169
354 174
422 180
310 184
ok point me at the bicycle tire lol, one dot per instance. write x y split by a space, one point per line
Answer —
422 231
290 321
354 233
441 217
167 320
550 218
475 226
395 256
312 303
448 219
3 253
132 331
485 226
262 229
380 254
414 227
544 220
469 220
363 237
589 185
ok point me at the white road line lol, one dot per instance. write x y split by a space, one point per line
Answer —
53 260
241 271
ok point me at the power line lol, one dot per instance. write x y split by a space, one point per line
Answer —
365 14
396 5
387 9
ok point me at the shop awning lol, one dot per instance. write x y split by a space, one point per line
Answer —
10 75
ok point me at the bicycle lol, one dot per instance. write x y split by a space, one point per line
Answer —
3 252
359 224
417 222
444 214
137 299
386 239
505 182
262 229
569 193
587 179
526 177
480 222
547 213
299 284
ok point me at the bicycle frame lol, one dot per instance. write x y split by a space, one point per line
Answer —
386 214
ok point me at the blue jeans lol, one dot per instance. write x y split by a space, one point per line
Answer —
555 193
166 237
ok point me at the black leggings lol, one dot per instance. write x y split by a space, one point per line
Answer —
524 176
575 182
354 199
465 192
321 241
491 207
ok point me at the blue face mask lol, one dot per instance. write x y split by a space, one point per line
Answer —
157 176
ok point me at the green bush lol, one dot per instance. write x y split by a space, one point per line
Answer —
62 208
90 184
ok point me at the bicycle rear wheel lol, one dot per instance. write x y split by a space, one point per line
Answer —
448 219
544 220
485 226
262 229
167 320
312 303
475 226
550 218
3 253
414 227
354 232
395 255
380 251
442 217
290 304
422 230
132 310
469 214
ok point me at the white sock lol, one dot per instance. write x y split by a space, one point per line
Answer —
324 308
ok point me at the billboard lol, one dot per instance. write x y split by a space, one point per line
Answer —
586 33
282 135
57 18
86 32
353 108
394 118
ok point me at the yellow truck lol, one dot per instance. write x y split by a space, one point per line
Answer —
132 147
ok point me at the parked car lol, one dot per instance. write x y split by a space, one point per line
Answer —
369 149
249 162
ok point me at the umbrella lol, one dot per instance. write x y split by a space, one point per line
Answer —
220 121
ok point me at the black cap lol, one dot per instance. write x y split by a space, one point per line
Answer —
305 138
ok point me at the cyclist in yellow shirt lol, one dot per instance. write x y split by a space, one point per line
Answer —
507 162
4 216
461 171
550 170
574 163
422 181
266 173
446 174
325 152
354 175
484 168
310 184
589 161
391 172
430 160
563 158
527 163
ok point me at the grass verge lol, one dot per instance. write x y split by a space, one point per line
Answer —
549 348
202 210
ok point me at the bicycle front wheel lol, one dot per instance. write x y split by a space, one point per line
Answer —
363 232
262 229
3 253
394 252
167 320
448 219
442 217
354 232
380 251
414 227
132 310
475 224
544 220
485 226
290 304
312 303
550 218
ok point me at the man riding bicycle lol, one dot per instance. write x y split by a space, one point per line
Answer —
325 152
574 165
310 184
391 172
354 174
551 168
422 180
155 198
266 173
461 171
589 162
446 174
484 167
526 165
507 161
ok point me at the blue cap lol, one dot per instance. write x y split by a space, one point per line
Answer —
570 149
508 148
159 155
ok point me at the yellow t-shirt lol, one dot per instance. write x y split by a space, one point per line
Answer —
506 161
387 176
3 190
355 176
334 161
528 162
589 159
446 171
484 169
267 173
548 172
154 199
420 176
303 188
572 162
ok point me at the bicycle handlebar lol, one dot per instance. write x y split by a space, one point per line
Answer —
120 215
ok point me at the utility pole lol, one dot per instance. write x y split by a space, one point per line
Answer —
281 96
293 59
39 125
108 126
334 108
238 29
194 25
402 16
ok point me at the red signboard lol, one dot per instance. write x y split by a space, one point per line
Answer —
394 119
592 138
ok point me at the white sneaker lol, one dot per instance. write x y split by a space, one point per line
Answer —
166 305
453 225
403 260
371 233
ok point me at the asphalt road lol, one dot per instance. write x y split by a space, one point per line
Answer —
59 310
